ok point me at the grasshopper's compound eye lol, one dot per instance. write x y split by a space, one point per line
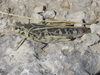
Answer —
16 28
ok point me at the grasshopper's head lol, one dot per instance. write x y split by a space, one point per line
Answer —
21 29
17 27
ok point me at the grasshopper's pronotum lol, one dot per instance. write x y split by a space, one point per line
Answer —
47 33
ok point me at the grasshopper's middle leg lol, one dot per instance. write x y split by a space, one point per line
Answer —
20 43
45 44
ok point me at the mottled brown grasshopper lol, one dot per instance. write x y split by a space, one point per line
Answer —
47 33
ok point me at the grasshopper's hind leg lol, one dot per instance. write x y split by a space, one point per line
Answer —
20 43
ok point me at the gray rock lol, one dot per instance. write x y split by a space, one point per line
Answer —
89 16
26 61
36 16
63 57
95 48
94 5
84 3
24 12
22 7
61 15
0 1
39 9
95 28
3 23
9 57
49 14
14 1
26 0
76 17
60 0
5 26
90 39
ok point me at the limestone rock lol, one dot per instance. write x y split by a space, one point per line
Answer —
14 1
0 1
84 3
36 16
95 28
77 17
49 14
39 9
95 48
90 38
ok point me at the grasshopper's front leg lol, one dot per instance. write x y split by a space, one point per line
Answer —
20 43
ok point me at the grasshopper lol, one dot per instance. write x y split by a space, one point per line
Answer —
47 33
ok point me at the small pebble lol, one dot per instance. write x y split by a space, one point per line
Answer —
49 14
22 6
36 16
3 23
84 3
14 1
39 9
95 48
95 28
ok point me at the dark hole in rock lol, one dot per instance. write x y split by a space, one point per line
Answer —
98 73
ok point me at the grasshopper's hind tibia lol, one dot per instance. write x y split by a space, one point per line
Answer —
20 43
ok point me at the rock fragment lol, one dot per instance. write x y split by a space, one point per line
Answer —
90 39
95 48
83 3
22 7
39 9
36 16
24 12
95 28
49 14
3 23
77 17
14 1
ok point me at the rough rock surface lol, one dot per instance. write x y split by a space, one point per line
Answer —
84 3
80 56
